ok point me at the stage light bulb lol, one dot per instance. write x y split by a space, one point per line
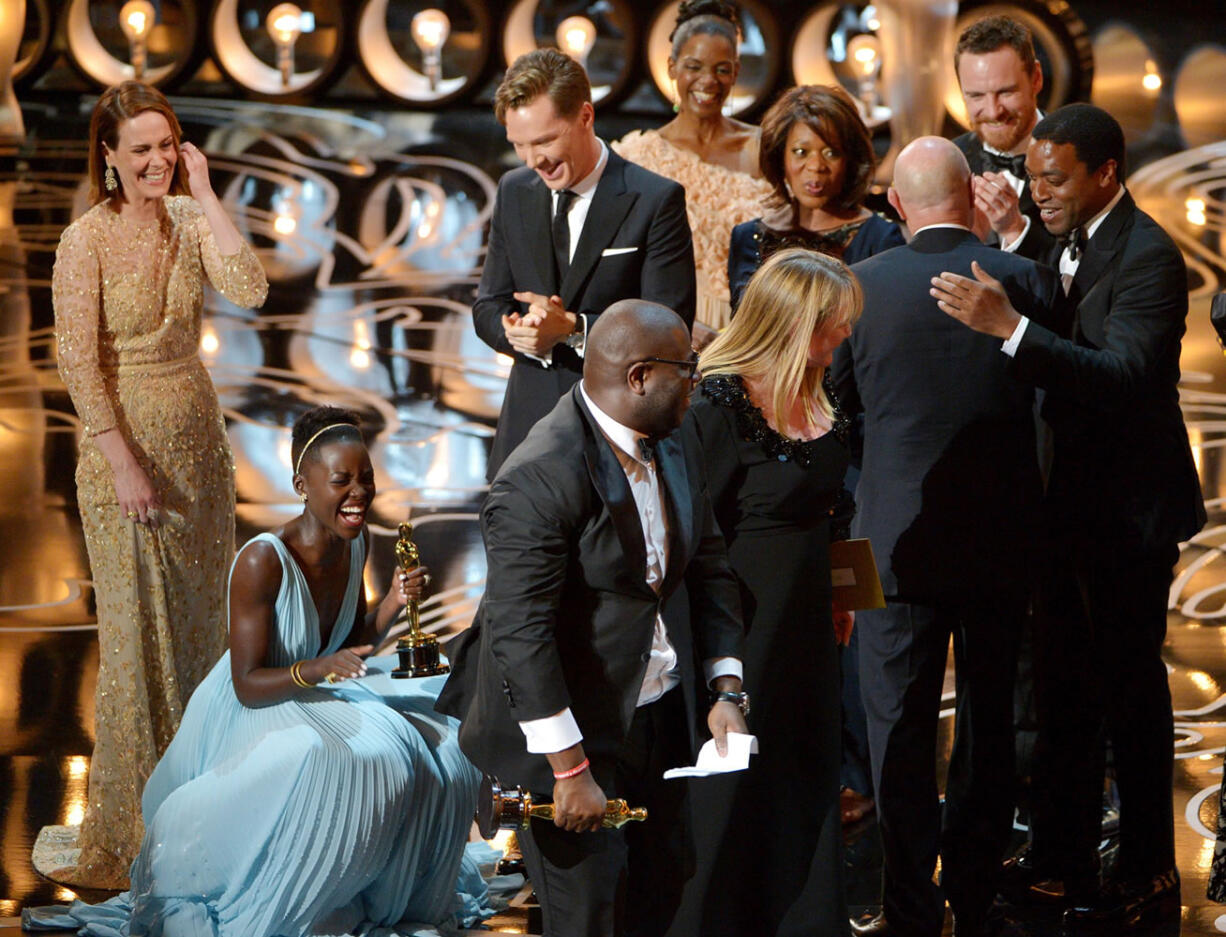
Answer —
576 36
136 18
1151 81
870 19
284 23
430 29
865 51
210 343
1195 208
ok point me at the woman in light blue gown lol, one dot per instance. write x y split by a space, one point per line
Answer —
306 791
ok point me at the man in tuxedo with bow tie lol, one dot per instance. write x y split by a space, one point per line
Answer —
1000 80
1122 494
609 635
574 230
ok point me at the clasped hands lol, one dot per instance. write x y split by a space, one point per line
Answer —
544 325
998 202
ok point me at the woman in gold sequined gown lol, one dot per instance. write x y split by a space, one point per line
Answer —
155 482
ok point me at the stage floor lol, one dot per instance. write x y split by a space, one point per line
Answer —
371 229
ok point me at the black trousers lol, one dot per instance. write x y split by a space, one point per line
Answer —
1100 678
628 881
903 652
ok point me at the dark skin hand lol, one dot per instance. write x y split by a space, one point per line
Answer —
337 484
253 595
579 803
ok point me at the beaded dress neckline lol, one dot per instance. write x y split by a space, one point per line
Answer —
728 390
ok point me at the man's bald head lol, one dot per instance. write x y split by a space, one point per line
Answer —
932 184
619 375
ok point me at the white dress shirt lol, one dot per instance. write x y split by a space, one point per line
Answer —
560 731
1067 266
576 216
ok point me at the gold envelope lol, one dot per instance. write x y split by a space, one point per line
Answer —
853 573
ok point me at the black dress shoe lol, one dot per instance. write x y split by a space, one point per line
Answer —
871 925
1127 902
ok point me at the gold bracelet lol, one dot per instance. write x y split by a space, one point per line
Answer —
295 673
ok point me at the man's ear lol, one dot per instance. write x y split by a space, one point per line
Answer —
636 377
891 196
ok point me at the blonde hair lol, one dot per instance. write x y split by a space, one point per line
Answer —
793 294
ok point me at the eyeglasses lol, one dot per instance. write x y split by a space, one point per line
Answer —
691 365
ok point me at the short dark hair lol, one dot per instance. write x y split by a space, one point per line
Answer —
543 71
1096 136
705 17
831 113
996 32
316 419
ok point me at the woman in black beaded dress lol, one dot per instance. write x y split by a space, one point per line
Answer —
817 155
768 840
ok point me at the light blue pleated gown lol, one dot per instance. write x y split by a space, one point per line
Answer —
343 810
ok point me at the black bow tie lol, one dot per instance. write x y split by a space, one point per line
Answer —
1000 163
647 449
1075 243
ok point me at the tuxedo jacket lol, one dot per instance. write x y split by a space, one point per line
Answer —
1122 476
1037 243
636 244
567 617
949 487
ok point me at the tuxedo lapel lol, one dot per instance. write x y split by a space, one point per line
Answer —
611 202
670 462
537 212
1103 246
609 479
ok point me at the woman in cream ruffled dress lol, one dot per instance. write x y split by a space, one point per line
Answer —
714 157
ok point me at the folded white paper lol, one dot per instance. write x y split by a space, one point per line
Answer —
740 747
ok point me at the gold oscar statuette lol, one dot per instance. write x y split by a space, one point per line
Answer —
512 809
418 651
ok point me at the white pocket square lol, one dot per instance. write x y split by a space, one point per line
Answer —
614 251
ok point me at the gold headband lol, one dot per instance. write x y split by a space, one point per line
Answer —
298 464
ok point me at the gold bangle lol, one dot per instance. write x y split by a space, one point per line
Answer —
295 673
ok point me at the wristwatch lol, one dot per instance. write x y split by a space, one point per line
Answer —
739 700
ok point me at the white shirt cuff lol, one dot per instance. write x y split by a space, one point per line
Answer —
721 667
1010 345
552 734
1017 242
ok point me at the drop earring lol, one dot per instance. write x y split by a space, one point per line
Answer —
676 98
109 179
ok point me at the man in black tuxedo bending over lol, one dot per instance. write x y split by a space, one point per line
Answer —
949 486
609 610
1122 493
1000 80
573 231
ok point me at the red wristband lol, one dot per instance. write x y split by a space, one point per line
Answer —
572 772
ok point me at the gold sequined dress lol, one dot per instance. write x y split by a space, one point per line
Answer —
128 299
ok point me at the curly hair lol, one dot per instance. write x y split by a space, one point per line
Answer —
705 17
347 429
830 113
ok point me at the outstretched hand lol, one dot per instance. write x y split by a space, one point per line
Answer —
980 303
